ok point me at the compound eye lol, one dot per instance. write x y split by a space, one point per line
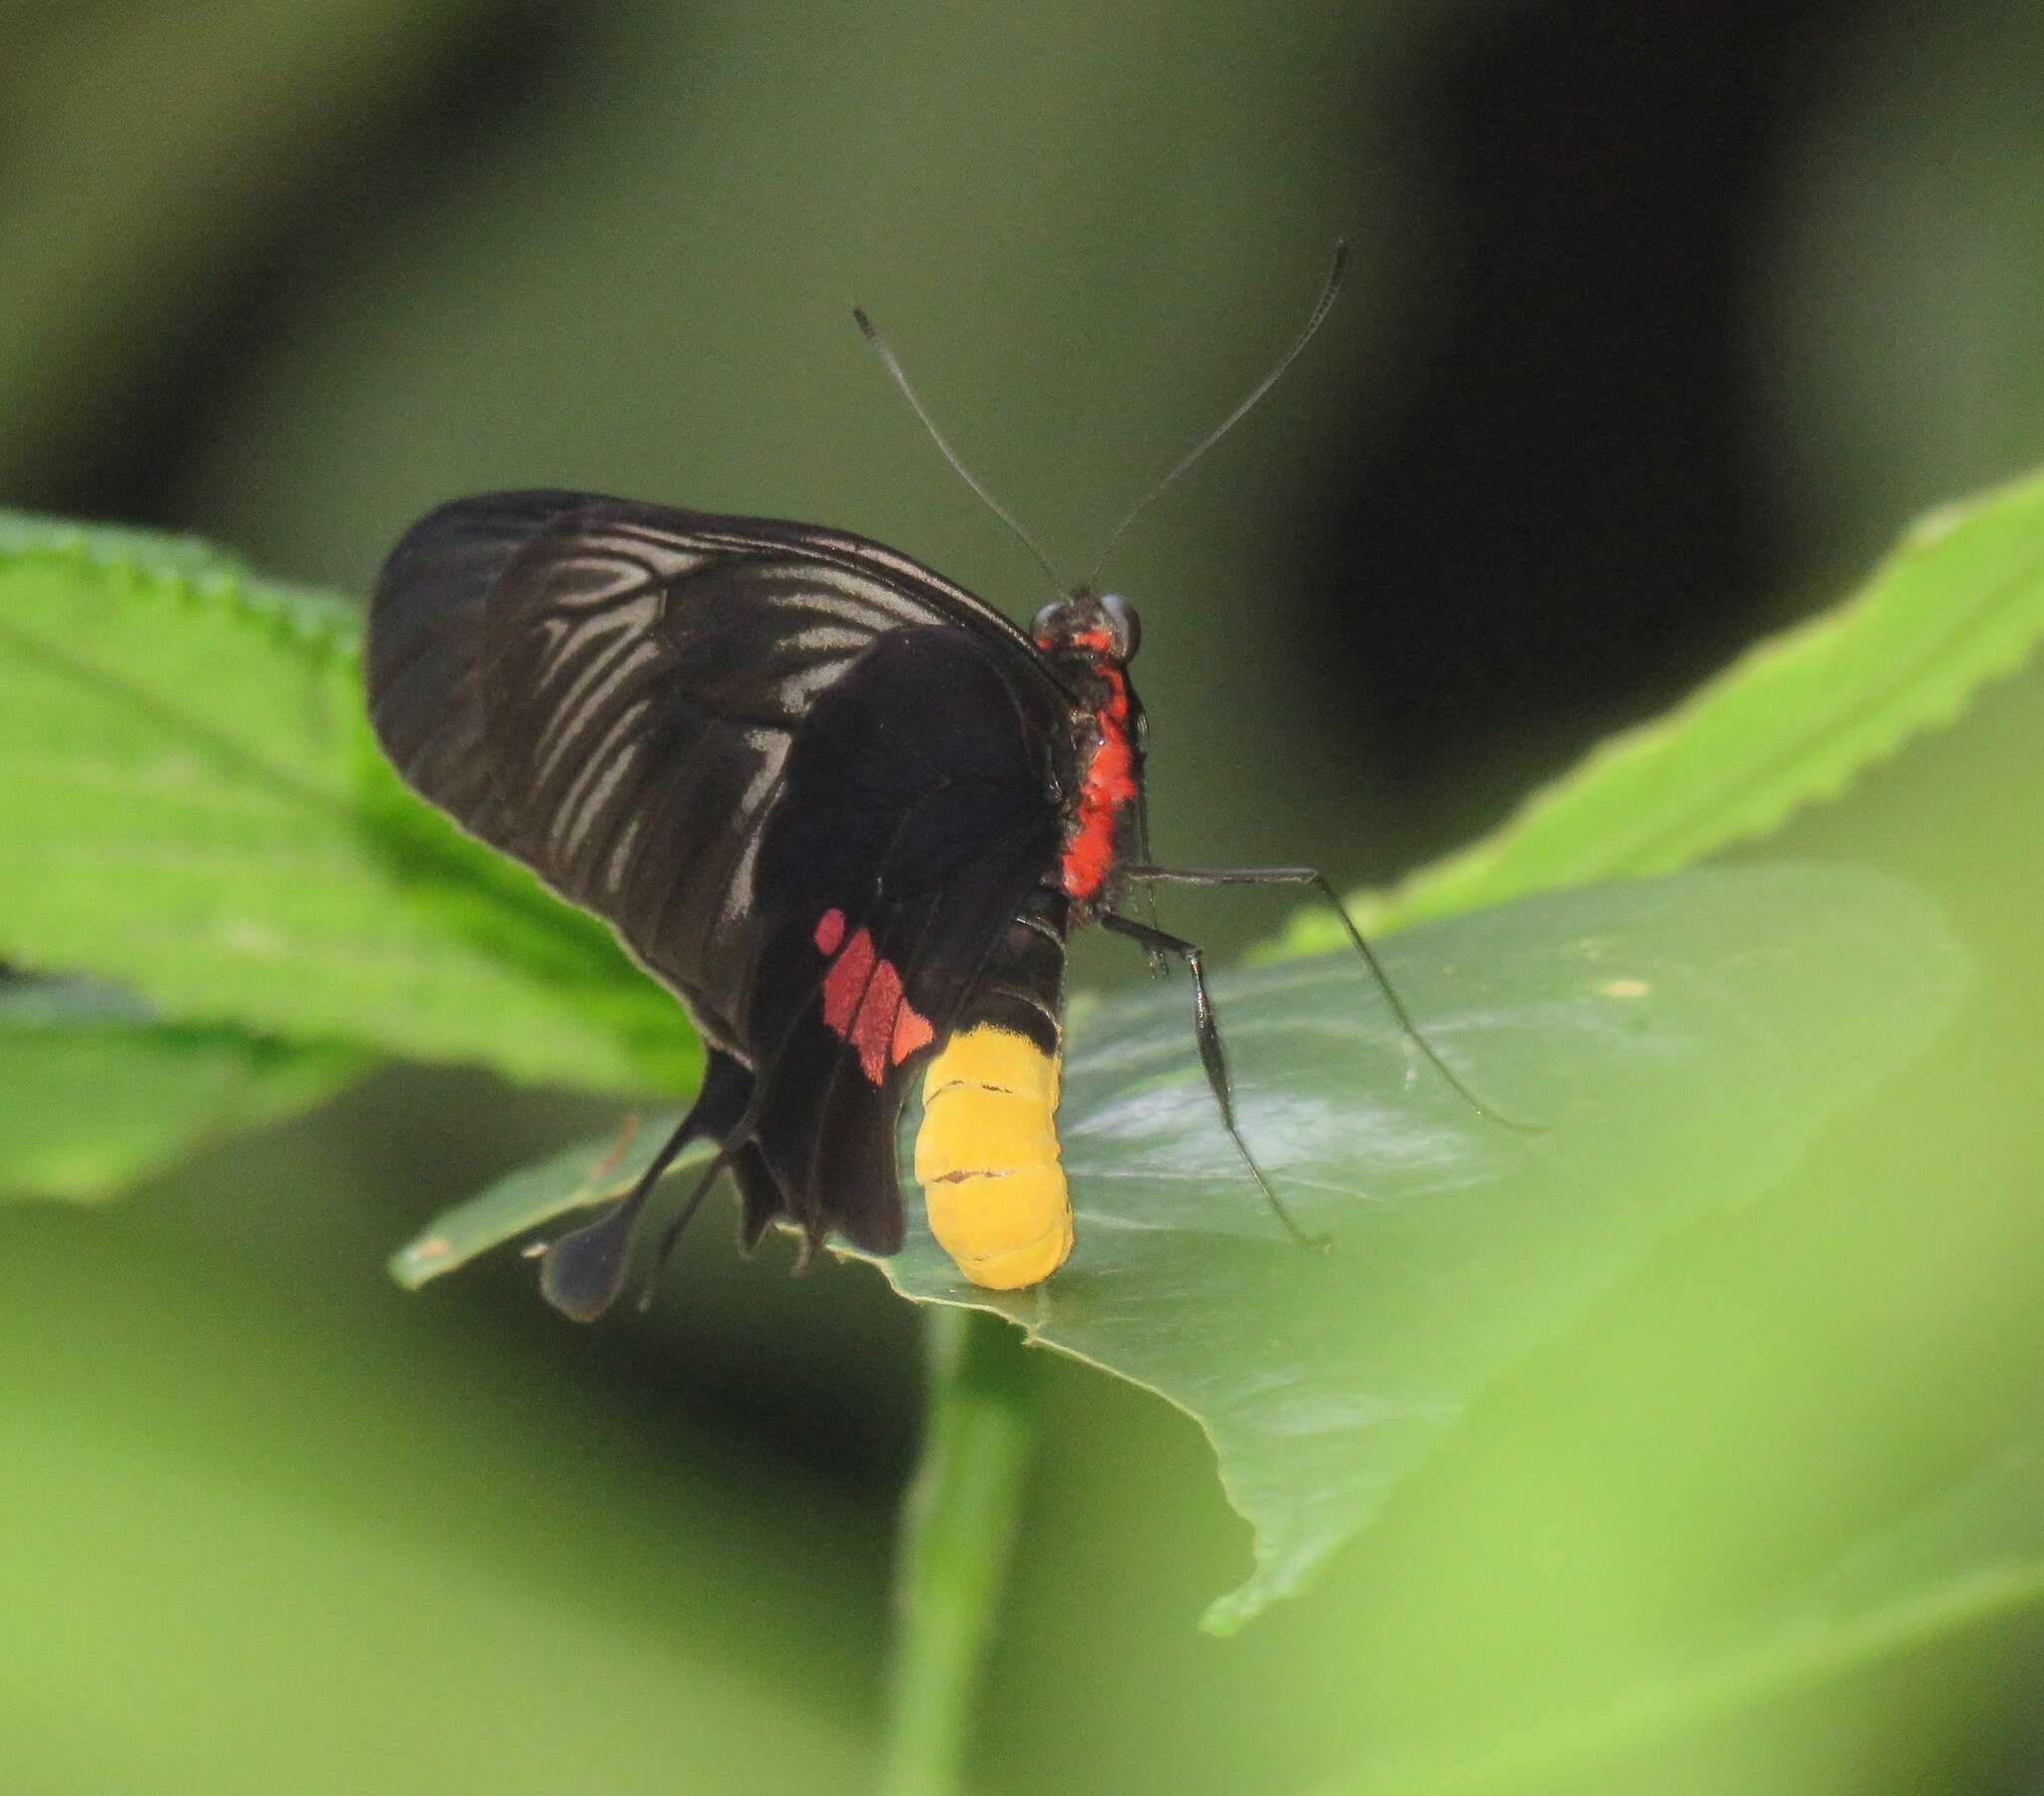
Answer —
1127 626
1048 620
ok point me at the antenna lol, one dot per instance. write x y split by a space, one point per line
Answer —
1335 275
964 473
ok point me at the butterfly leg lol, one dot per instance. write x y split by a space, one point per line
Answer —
583 1273
1310 876
1212 1055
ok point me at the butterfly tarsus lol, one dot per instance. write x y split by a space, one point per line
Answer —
1311 876
1156 943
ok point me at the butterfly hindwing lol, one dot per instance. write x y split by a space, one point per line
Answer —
918 817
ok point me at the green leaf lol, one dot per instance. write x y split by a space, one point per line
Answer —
100 1094
1790 722
1967 1553
1678 1042
211 827
536 1194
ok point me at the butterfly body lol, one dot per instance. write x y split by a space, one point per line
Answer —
845 811
987 1158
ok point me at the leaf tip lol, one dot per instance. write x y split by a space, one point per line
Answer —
421 1261
1224 1616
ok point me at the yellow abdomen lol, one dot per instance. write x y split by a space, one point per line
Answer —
986 1156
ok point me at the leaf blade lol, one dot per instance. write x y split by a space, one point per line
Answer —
100 1094
1656 1027
1791 721
1965 1556
214 828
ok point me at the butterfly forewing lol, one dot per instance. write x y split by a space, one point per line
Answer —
808 780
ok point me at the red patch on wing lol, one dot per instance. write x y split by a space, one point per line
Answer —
863 1001
848 987
912 1029
873 1030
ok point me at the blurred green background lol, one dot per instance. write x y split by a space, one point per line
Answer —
1663 320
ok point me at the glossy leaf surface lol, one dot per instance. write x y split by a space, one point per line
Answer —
1678 1042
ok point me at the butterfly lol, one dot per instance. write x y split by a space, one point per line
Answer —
844 811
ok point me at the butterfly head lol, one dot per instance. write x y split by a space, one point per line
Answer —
1090 625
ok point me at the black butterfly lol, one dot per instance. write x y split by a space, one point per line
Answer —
842 809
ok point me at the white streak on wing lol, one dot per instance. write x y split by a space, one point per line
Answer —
618 576
615 626
771 746
738 889
593 689
821 577
827 637
796 692
621 855
852 597
606 762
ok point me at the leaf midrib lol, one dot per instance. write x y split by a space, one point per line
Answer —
137 699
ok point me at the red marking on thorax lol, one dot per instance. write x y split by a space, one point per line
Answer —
863 1001
1108 783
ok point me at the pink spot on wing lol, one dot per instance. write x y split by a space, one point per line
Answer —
912 1029
845 990
865 1003
873 1030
